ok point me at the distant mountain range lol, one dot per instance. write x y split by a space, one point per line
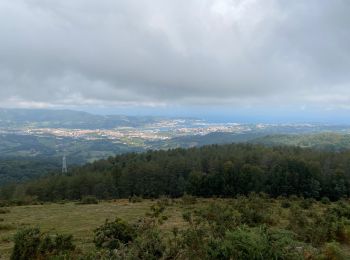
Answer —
71 119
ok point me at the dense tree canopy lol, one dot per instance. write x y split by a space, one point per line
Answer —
216 170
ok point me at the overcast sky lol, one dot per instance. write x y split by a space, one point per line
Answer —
132 55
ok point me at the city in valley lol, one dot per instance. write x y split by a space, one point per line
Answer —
161 130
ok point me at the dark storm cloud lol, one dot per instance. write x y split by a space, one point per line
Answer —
163 52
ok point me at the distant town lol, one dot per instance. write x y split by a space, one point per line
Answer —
162 130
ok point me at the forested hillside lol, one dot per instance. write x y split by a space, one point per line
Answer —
15 170
68 119
216 170
330 141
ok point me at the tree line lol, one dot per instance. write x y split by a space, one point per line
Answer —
215 170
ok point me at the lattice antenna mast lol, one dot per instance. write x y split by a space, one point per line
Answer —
64 164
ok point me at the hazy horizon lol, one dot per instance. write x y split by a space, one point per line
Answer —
213 116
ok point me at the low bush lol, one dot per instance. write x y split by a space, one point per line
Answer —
4 203
220 218
232 229
88 200
286 204
135 199
148 245
111 235
319 227
307 203
165 201
4 211
32 244
5 227
256 243
341 209
333 251
325 200
254 209
188 199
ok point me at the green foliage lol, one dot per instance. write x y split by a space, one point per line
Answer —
26 244
341 209
255 243
286 204
4 227
325 200
217 231
4 211
216 170
32 244
254 209
89 200
188 199
247 227
148 245
135 199
220 218
306 203
112 235
332 251
319 227
16 168
165 201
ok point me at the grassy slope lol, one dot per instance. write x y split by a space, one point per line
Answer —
79 220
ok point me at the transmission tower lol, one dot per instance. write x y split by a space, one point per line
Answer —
64 164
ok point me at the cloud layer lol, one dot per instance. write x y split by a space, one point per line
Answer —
138 52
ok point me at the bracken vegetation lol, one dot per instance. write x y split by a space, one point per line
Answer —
247 227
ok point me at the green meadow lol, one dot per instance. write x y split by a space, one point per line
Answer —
320 228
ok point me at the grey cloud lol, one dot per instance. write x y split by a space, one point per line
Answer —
197 51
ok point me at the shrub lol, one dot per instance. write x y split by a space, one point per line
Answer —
293 197
286 204
32 244
4 203
135 199
255 243
307 203
254 209
156 213
341 209
112 235
6 227
27 242
165 201
89 200
333 251
188 199
325 200
318 228
27 200
4 211
149 245
63 243
220 218
193 242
